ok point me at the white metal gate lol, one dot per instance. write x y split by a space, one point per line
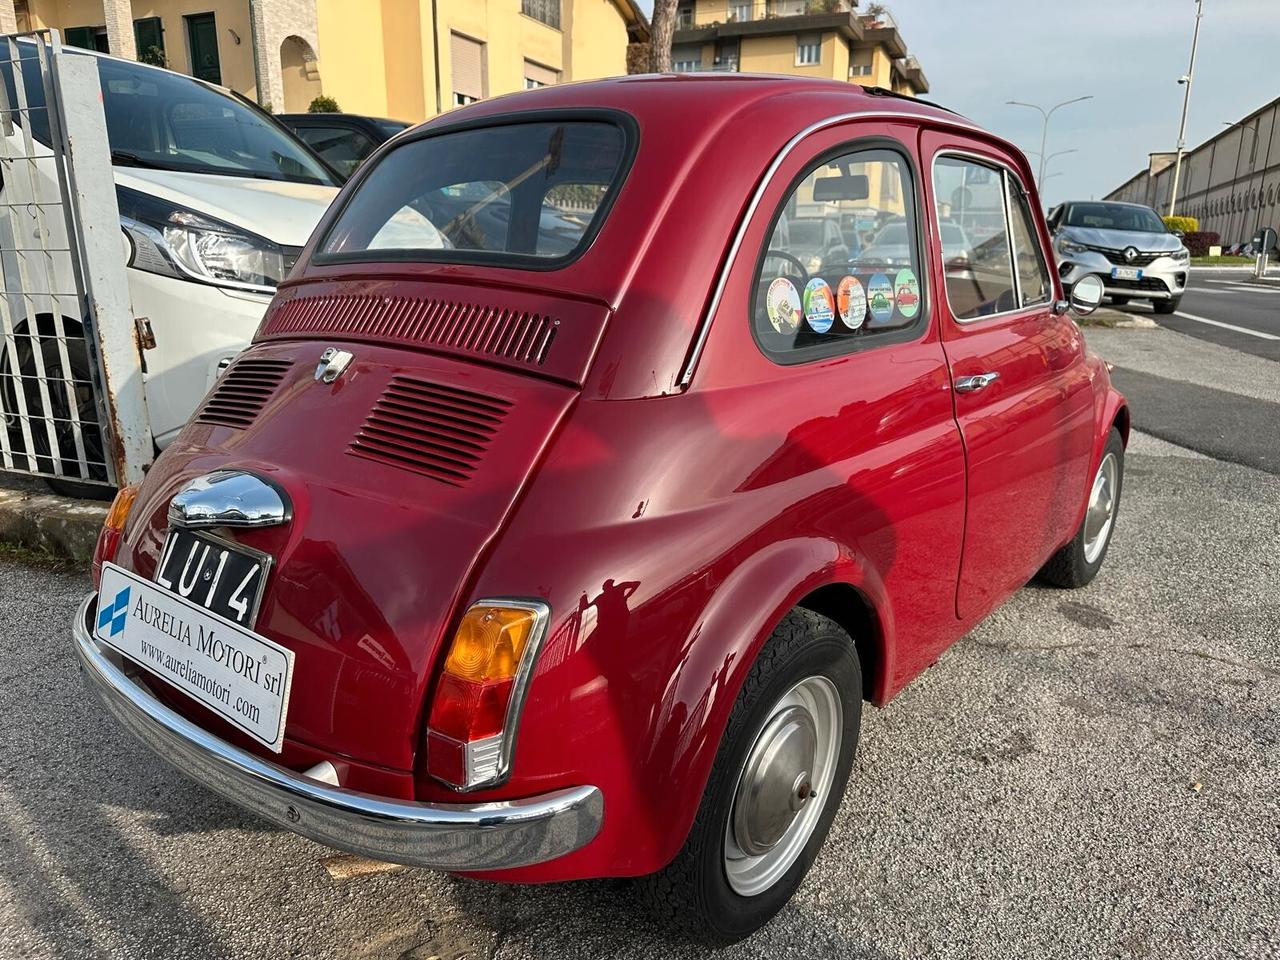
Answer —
70 369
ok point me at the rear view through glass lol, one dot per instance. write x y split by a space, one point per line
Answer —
521 193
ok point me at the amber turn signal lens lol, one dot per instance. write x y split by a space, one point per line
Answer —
489 644
120 507
112 531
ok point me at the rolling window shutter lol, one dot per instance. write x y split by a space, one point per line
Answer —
540 74
468 66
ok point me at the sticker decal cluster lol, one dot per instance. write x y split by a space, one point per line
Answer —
782 303
907 293
818 308
880 299
851 298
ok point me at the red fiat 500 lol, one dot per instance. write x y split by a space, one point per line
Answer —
607 448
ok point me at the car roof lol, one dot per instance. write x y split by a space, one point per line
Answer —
339 116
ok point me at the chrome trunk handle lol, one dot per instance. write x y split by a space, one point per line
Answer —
977 382
229 498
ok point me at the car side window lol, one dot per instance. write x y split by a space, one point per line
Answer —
841 266
342 149
970 199
1033 276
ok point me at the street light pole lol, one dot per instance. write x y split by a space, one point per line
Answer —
1044 161
1186 103
1044 130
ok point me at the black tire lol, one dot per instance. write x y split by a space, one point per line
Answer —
1069 567
1119 301
1166 306
693 894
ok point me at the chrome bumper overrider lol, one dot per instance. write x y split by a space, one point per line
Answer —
473 836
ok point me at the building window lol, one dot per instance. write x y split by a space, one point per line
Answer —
739 12
860 70
468 69
148 37
548 11
536 75
686 59
808 49
684 16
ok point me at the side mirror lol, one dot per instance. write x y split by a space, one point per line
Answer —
1086 295
1179 234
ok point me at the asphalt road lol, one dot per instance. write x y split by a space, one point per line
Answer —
1089 774
1210 379
1227 308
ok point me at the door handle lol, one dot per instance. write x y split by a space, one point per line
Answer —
977 382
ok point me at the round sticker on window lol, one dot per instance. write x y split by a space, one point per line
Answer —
851 298
907 291
880 298
818 309
783 305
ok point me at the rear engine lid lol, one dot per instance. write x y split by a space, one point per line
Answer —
399 473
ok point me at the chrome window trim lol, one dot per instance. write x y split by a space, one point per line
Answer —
1005 170
704 325
1016 180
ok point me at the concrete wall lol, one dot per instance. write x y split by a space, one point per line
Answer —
1230 183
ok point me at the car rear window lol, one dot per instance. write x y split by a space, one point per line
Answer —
531 194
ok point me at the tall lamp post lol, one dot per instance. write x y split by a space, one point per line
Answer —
1186 81
1044 132
1044 163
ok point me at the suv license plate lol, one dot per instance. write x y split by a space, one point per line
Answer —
1126 273
223 577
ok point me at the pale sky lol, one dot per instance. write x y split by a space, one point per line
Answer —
1127 53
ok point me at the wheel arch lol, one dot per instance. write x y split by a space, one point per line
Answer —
853 611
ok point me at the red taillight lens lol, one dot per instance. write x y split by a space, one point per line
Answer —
473 715
112 531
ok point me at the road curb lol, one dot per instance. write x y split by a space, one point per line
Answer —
59 526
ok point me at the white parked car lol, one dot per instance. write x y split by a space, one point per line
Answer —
216 201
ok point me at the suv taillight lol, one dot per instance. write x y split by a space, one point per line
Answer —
472 728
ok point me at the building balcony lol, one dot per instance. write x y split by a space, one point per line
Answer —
763 18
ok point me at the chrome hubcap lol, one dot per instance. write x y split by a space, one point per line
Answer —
1102 508
783 785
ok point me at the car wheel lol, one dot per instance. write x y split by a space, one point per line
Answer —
1166 306
774 788
64 430
1119 301
1079 561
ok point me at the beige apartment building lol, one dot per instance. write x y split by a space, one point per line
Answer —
831 39
407 59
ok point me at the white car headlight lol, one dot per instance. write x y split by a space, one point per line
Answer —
1070 247
174 241
1182 255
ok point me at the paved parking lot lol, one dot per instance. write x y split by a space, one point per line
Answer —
1088 774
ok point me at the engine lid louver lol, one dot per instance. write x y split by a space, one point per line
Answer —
520 336
242 391
430 429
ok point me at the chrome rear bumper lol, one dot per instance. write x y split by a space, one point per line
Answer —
474 836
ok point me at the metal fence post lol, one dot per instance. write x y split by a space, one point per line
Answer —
110 330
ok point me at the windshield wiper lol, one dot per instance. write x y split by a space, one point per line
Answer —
122 158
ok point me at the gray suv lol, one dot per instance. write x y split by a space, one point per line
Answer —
1126 245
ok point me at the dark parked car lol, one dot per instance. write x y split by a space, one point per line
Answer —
343 140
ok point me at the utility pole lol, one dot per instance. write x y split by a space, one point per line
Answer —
1186 103
1044 131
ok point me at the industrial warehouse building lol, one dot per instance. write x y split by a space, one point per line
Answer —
1230 183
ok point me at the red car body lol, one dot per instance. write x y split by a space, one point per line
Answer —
664 486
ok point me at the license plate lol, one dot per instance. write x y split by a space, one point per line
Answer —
219 575
242 677
1126 273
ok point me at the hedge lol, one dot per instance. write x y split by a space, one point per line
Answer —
1199 242
1185 224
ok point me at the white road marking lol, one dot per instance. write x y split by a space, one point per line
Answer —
1226 326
